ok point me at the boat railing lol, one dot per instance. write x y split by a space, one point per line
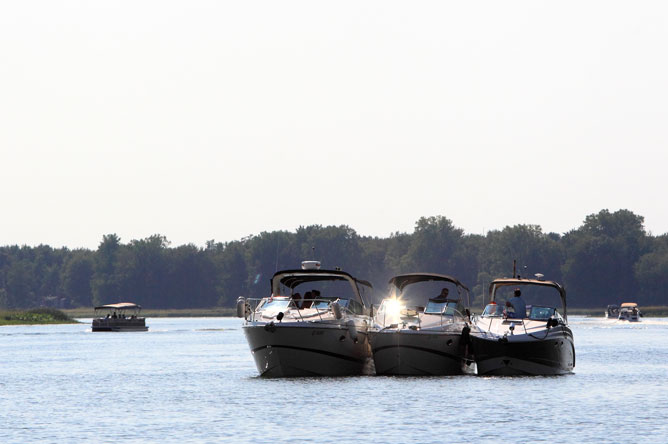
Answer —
448 314
319 306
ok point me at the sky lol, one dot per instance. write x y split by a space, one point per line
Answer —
216 120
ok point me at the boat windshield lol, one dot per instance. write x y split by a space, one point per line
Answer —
447 308
493 310
541 313
275 304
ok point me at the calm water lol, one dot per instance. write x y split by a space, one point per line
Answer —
193 380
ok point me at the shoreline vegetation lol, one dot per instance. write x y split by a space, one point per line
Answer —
89 312
609 258
36 316
85 312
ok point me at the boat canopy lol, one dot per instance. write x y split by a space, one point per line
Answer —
294 278
508 282
629 305
403 280
119 306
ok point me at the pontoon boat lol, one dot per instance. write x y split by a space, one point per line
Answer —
123 316
629 312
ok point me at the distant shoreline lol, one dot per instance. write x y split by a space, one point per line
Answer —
89 312
83 312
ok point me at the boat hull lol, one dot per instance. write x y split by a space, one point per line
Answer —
525 354
119 325
417 353
308 349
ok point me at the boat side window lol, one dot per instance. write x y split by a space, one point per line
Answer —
355 307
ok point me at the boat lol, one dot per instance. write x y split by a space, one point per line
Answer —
629 311
314 323
417 331
537 341
123 316
612 312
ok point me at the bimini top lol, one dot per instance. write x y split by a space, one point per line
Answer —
293 278
507 282
401 281
120 306
629 305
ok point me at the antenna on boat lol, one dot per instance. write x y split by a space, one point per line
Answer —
277 241
514 268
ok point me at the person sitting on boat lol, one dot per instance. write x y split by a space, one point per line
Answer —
443 295
519 307
308 300
296 299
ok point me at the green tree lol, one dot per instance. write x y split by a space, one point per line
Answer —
601 256
77 278
105 283
651 271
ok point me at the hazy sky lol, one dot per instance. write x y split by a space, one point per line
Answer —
218 119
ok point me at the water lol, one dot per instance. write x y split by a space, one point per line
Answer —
193 380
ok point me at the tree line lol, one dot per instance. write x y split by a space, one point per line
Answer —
610 258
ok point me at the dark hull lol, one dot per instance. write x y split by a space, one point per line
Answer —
119 325
525 355
285 350
417 354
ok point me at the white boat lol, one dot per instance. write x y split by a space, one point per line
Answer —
123 316
418 331
629 311
537 342
612 312
314 323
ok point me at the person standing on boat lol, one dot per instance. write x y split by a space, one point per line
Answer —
519 307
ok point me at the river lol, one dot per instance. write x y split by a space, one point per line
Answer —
192 380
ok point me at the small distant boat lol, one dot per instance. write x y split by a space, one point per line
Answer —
629 312
123 316
612 312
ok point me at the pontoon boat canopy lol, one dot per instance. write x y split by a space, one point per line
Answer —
120 306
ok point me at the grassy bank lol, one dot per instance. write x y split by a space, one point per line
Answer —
88 312
35 316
